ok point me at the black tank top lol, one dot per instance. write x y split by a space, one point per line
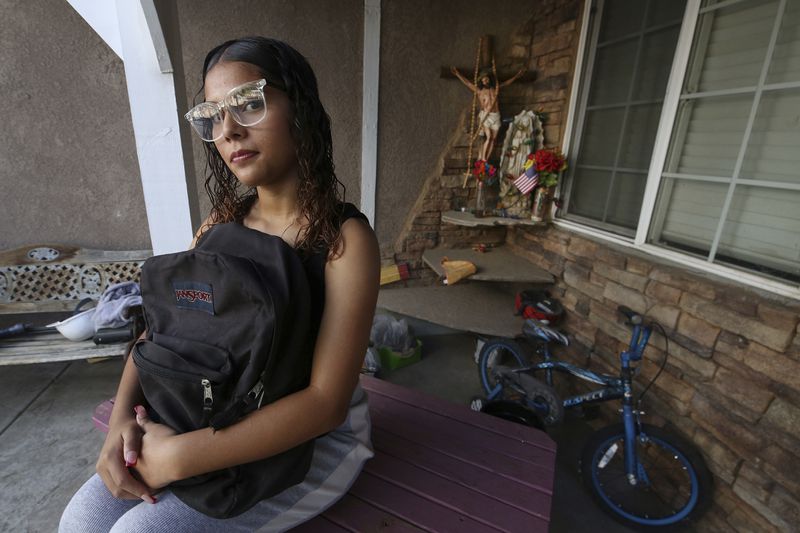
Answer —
314 264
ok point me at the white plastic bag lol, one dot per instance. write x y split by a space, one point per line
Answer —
372 363
392 333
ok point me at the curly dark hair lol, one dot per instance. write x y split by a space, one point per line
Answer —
318 195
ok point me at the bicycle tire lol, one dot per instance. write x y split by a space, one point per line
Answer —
498 351
670 500
532 394
513 412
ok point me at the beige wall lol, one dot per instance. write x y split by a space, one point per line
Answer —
71 173
68 170
418 109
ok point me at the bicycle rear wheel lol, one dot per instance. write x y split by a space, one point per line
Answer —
674 483
533 394
498 352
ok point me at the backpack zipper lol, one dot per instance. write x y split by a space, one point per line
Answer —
208 399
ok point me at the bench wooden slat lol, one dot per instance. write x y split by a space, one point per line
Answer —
444 432
537 476
355 514
70 255
522 496
438 406
31 342
414 508
44 354
444 491
42 306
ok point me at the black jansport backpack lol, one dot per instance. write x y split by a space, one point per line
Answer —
227 332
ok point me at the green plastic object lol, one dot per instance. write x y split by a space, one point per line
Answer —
392 360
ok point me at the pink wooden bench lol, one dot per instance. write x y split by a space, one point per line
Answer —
439 466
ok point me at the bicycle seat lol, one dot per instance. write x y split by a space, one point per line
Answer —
537 330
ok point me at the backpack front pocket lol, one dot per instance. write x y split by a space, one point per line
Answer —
184 391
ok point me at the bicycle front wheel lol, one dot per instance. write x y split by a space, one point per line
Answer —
673 483
497 352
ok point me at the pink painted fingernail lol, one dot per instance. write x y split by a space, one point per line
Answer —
140 410
148 498
130 458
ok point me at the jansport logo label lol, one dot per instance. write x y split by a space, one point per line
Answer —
191 295
194 295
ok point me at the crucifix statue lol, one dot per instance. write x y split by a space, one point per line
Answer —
485 89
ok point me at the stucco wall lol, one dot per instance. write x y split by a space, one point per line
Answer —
69 172
418 109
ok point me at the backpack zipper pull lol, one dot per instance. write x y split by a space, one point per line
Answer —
208 399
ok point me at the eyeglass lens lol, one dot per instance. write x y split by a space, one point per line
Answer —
246 104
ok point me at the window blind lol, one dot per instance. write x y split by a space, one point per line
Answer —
760 197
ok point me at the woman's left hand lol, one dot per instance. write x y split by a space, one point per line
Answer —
155 458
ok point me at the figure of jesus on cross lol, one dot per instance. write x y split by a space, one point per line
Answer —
489 117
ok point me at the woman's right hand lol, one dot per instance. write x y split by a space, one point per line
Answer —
121 450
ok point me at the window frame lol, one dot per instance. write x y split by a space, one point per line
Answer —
583 107
658 159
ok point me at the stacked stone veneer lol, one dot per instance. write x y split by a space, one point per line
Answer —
731 383
732 378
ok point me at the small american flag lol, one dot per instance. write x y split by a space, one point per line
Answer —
526 183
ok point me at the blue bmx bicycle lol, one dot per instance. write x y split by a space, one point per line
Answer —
642 475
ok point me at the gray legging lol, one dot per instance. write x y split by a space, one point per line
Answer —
338 459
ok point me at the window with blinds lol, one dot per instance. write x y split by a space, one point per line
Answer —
730 188
630 53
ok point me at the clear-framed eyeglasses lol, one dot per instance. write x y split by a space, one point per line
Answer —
246 104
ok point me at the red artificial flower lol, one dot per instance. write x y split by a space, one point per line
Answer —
548 161
483 168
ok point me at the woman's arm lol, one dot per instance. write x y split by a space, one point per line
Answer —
352 281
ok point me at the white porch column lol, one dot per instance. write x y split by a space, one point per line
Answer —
155 125
132 29
369 109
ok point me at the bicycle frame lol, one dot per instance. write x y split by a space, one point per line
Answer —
613 388
630 417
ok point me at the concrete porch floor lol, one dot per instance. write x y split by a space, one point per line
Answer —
48 445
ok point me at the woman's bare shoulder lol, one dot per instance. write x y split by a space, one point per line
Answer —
358 243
